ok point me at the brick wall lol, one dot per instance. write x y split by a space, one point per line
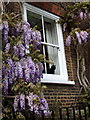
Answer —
50 7
58 94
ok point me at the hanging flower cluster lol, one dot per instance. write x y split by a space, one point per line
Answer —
29 36
24 69
84 15
81 37
19 65
34 103
76 16
6 30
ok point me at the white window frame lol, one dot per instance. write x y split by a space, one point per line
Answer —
52 78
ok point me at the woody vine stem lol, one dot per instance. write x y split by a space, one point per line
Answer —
81 72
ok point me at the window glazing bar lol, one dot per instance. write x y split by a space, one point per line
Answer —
44 41
49 44
43 28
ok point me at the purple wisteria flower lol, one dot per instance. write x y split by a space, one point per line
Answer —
21 49
5 24
84 36
78 37
5 82
20 70
36 103
7 47
10 75
44 107
6 30
68 40
37 70
31 66
38 35
27 36
34 37
16 102
10 70
25 26
9 61
27 75
16 50
30 101
81 15
33 102
26 70
11 80
41 68
23 63
16 70
22 101
5 36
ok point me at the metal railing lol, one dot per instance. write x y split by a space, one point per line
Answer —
80 112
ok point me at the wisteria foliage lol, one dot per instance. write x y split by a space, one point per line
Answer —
22 68
76 23
76 28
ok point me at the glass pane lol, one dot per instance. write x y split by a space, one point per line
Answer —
50 31
52 56
34 19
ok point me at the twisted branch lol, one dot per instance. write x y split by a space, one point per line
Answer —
78 68
81 75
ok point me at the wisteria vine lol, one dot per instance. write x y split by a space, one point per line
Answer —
22 72
77 31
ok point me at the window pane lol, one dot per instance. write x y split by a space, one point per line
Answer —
34 19
52 56
50 31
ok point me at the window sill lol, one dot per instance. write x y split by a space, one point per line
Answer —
56 79
60 82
